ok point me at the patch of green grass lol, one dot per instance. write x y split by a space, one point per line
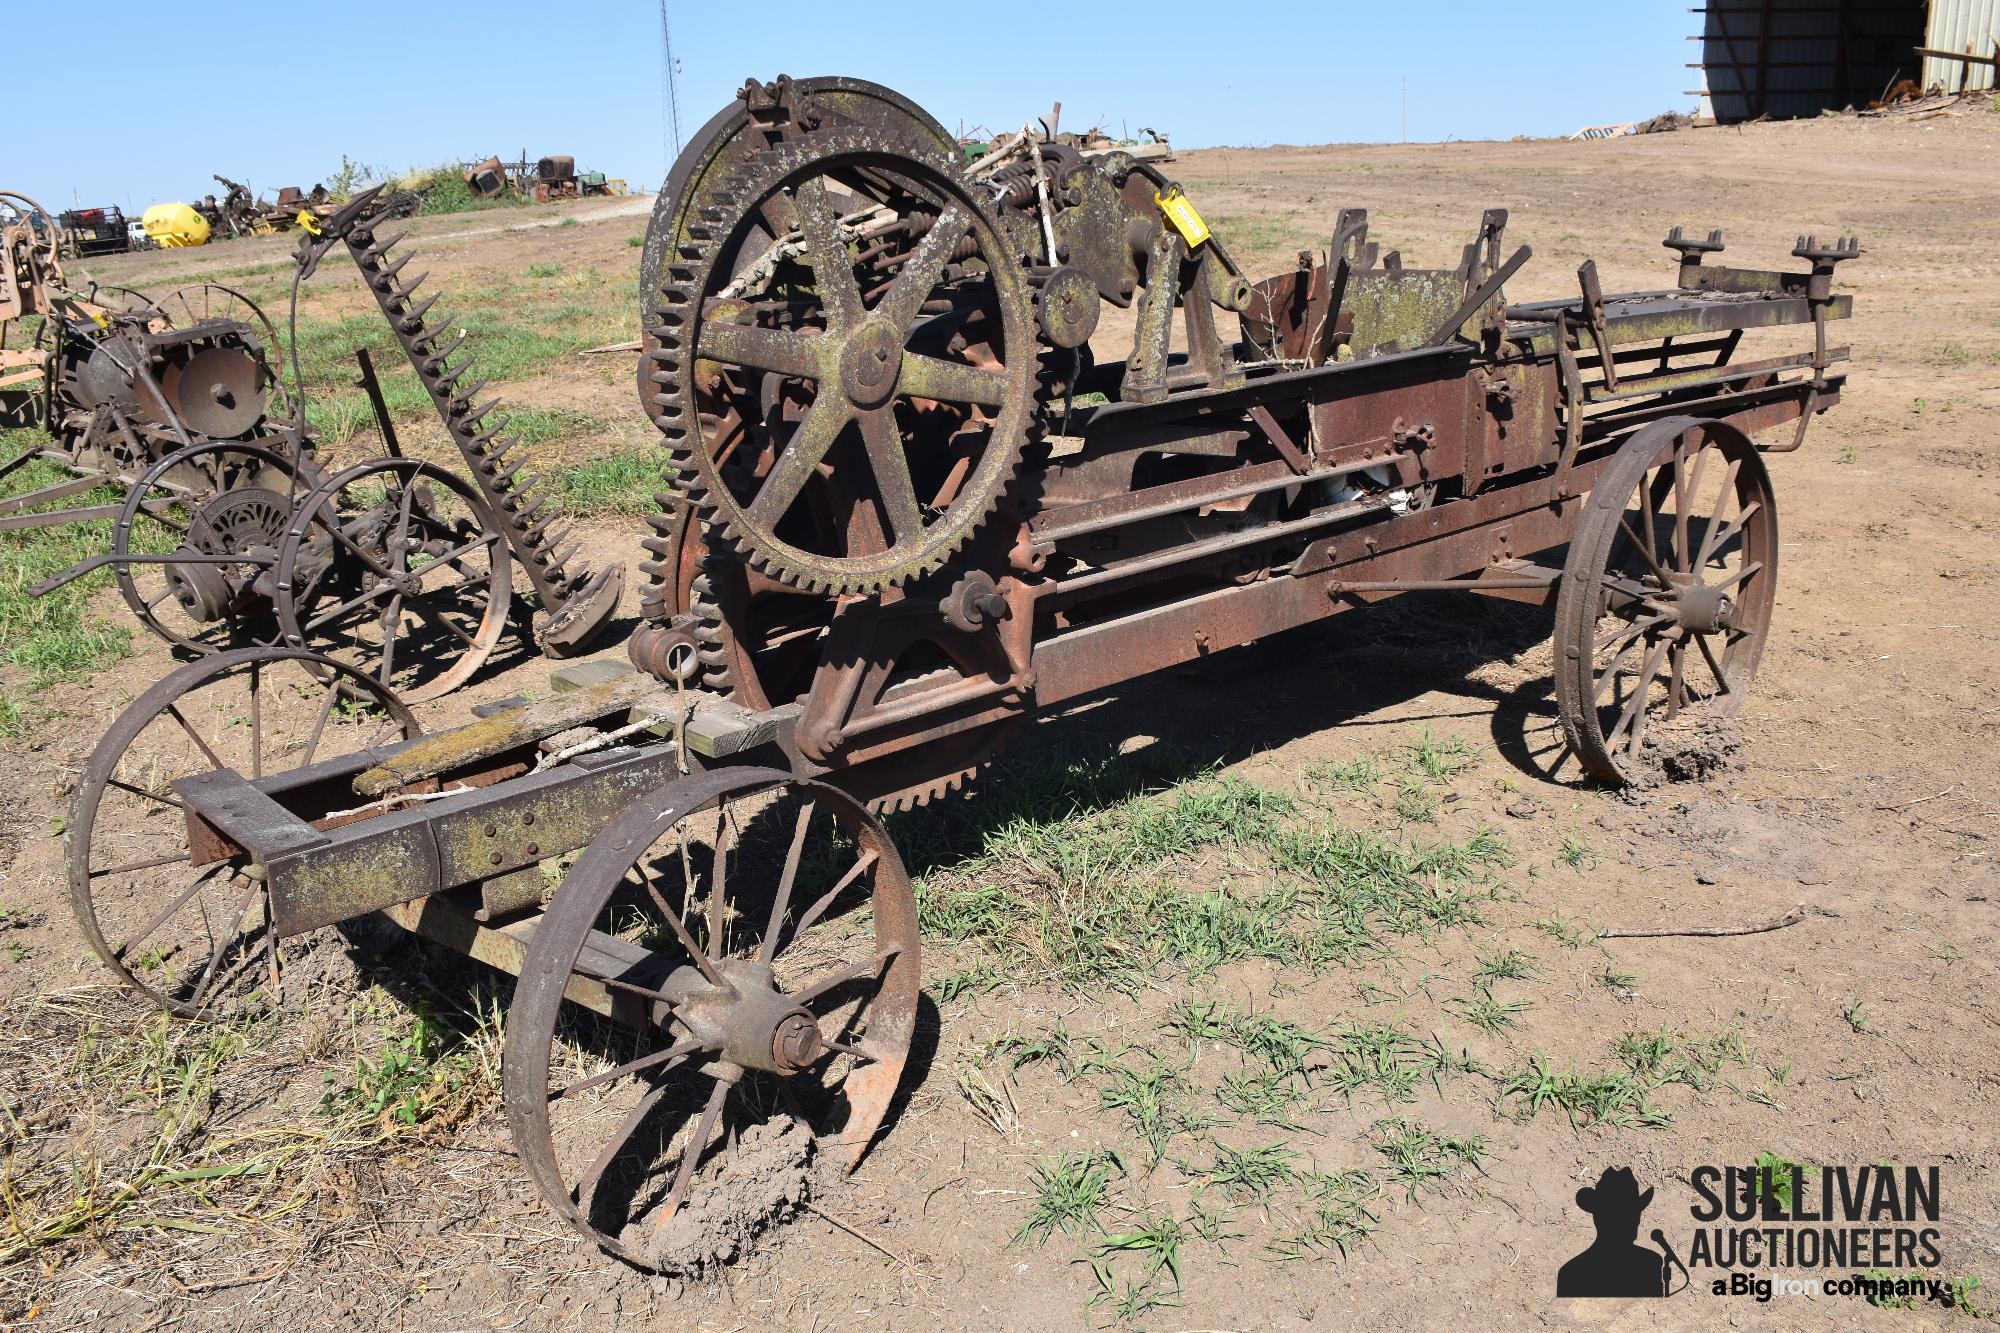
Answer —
57 637
967 981
1651 1061
1855 1017
1358 775
1421 1160
1416 802
545 270
1052 1047
1441 759
1513 965
1090 898
1492 1016
1560 929
1614 1097
1070 1188
1615 979
539 425
1389 1061
1574 852
1247 1173
1155 1239
1341 1212
1154 1097
414 1076
634 242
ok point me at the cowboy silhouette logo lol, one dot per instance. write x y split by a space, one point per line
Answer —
1615 1264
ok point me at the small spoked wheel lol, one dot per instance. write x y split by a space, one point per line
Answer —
184 922
1666 597
724 1001
218 511
398 568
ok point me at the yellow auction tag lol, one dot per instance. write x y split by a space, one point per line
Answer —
1179 210
308 223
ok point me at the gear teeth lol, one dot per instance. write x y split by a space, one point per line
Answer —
675 409
528 519
434 365
413 318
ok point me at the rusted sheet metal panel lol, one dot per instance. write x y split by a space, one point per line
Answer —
1967 26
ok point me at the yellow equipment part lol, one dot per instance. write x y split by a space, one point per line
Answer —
173 225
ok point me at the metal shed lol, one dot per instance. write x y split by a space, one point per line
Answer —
1962 28
1787 58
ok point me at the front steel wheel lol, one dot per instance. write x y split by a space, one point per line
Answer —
721 995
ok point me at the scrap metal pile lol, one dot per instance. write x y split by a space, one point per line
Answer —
915 495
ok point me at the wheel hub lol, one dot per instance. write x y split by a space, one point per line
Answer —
871 363
749 1021
1701 609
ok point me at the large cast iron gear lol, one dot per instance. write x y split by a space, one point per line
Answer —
873 390
761 116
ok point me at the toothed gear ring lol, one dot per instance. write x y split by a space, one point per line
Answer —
887 338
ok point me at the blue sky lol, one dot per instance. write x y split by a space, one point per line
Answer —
137 87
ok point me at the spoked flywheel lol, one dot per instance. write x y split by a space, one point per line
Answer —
887 337
186 922
1666 597
720 999
197 541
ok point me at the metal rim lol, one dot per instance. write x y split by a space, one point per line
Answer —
150 498
870 379
708 1000
143 882
336 547
1666 598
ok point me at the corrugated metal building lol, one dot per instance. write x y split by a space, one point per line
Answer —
1785 58
1962 28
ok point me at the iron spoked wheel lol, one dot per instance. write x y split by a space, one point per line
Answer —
704 928
195 937
906 366
1666 598
208 501
398 568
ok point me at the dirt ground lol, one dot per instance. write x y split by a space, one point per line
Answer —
1863 790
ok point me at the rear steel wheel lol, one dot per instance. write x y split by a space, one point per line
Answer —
705 923
1666 598
398 568
189 929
